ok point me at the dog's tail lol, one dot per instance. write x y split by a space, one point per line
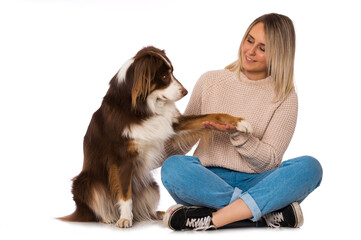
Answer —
82 213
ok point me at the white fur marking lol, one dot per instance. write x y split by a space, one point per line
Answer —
158 127
244 127
151 134
174 91
126 215
123 70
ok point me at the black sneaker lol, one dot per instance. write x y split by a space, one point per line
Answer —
179 217
290 216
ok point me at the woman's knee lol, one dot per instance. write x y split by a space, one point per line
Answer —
312 168
313 163
168 168
172 167
172 164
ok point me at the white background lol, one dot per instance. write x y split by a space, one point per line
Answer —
57 57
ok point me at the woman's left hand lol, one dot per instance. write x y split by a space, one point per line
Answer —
220 127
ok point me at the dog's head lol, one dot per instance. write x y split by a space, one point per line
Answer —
150 73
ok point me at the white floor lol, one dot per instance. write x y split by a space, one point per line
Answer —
51 229
35 219
33 228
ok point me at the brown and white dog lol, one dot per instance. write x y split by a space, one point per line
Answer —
125 141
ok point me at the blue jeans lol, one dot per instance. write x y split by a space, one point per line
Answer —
192 184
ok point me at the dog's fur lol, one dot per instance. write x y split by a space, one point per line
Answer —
125 141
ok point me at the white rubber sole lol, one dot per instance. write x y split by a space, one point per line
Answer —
299 216
169 213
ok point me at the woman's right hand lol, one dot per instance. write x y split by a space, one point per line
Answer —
220 127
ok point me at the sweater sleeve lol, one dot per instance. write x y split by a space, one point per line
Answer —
266 153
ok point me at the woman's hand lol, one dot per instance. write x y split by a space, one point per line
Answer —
220 127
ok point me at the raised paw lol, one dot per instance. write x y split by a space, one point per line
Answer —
244 126
124 223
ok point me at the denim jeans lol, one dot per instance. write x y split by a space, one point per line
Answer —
192 184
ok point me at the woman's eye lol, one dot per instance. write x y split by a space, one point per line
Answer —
262 49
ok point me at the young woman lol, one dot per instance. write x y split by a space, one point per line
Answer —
241 176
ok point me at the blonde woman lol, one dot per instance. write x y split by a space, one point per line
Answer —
240 179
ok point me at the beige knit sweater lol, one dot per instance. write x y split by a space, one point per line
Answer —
273 123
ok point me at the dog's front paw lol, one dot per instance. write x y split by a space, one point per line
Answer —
124 223
244 126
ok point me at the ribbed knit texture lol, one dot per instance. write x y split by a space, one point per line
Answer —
273 123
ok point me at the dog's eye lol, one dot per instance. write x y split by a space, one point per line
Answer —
165 77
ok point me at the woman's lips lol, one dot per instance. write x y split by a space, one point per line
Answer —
249 60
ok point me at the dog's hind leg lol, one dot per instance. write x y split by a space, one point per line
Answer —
102 205
82 213
81 192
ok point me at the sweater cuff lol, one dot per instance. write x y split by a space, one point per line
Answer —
239 138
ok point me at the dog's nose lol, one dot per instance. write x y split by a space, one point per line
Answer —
184 92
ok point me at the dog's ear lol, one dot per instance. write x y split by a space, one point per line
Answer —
145 69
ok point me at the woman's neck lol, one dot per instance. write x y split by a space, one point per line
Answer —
255 75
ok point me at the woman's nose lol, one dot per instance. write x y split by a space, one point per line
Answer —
252 51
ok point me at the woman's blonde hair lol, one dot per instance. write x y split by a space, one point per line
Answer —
280 52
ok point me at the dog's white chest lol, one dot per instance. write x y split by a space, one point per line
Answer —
151 134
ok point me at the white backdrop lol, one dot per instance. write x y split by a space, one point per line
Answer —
57 57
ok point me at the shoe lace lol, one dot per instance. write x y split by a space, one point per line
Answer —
199 223
273 219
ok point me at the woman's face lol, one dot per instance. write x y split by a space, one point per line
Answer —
253 53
